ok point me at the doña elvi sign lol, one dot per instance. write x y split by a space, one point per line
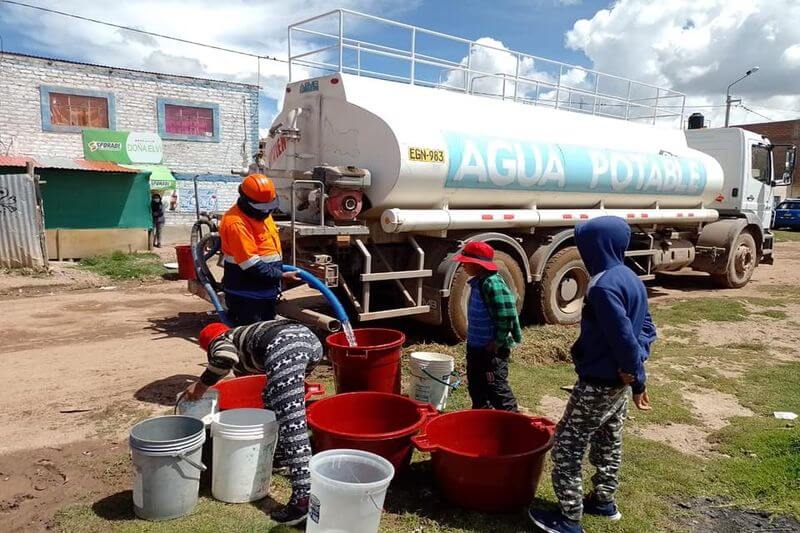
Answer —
122 146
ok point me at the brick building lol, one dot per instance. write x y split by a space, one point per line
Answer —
781 132
207 127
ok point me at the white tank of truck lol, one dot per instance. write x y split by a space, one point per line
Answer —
429 149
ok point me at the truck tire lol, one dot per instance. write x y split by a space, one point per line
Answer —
742 262
455 316
564 284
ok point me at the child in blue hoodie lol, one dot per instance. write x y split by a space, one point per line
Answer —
614 343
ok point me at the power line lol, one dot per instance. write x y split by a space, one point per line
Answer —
144 32
776 109
754 112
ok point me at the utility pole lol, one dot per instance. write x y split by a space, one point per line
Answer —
729 100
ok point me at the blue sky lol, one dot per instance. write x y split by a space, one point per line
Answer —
693 46
534 26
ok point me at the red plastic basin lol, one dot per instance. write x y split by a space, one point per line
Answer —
375 422
485 460
247 392
372 365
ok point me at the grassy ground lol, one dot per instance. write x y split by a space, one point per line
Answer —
122 266
787 236
755 465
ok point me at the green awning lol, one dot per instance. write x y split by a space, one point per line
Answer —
161 178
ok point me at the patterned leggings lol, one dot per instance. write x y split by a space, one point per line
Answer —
593 418
284 394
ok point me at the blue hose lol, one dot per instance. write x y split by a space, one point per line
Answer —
205 278
316 283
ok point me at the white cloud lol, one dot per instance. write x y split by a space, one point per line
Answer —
791 56
255 26
699 47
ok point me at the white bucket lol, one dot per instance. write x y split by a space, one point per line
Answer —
432 377
203 409
348 488
244 444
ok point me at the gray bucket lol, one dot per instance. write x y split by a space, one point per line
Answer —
166 453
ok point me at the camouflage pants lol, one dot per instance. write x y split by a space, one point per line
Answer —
594 418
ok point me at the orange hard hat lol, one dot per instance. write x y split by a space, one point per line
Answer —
258 189
210 333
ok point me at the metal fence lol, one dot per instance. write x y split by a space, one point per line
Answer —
22 239
356 43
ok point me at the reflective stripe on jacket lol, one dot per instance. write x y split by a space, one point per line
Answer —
246 242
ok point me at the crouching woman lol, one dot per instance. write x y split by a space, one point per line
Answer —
286 352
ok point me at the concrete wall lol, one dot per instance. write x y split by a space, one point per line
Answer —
135 98
80 243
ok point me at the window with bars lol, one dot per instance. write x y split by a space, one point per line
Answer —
77 110
188 121
71 110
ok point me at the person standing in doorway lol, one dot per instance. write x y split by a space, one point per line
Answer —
252 253
492 329
157 212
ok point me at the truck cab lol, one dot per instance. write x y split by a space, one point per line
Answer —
749 171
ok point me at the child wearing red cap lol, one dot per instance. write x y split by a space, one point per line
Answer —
492 329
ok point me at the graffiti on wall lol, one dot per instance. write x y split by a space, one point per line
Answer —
8 202
206 196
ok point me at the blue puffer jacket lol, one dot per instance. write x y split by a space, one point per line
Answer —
616 327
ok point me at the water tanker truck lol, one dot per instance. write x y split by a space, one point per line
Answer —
383 177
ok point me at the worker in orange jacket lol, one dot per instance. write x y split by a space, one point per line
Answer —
252 250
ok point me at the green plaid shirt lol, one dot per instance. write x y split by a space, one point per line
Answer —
502 306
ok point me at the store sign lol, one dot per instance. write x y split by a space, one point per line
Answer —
125 147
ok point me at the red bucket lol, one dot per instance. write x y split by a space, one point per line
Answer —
373 364
185 262
247 391
374 422
486 460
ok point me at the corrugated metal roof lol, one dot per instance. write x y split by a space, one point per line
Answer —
65 163
14 161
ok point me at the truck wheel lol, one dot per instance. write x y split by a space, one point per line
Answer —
563 286
455 319
741 263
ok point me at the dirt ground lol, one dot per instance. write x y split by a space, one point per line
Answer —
83 360
78 368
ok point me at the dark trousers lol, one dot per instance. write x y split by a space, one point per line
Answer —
487 376
245 311
158 227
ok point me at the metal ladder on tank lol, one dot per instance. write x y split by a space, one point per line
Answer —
369 276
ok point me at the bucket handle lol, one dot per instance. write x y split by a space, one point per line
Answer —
178 401
423 444
449 382
543 423
425 410
315 389
200 466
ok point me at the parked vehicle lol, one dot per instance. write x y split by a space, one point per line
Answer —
787 214
384 175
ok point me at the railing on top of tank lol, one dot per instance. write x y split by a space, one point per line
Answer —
327 44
